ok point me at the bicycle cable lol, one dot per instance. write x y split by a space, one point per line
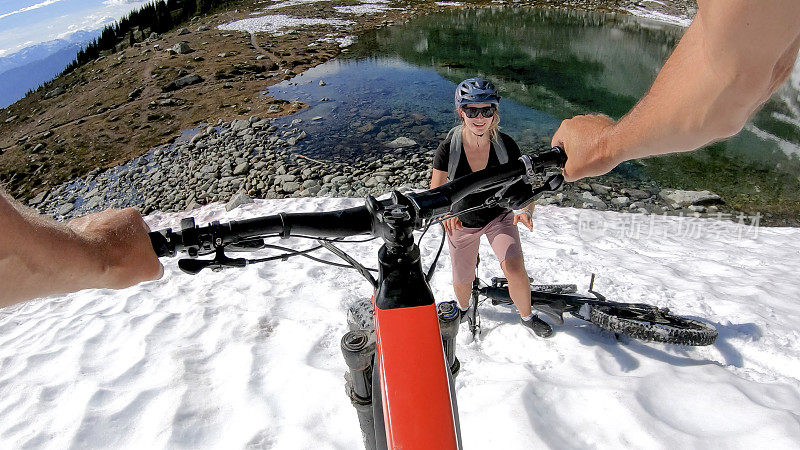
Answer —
432 268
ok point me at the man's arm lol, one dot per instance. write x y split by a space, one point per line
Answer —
40 257
734 55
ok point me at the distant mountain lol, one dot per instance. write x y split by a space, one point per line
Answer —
32 66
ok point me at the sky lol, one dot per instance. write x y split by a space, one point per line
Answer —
29 22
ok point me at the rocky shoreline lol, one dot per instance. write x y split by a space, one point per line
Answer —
236 161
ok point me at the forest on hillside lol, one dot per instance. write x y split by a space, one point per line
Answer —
157 17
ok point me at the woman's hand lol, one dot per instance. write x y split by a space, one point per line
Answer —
451 224
525 218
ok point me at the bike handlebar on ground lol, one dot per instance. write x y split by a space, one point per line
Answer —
368 219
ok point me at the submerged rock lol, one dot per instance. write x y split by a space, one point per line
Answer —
401 142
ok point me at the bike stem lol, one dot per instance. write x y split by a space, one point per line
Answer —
402 281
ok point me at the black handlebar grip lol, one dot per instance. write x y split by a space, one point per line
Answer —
561 156
160 244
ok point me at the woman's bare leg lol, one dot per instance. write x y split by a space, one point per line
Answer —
463 293
518 285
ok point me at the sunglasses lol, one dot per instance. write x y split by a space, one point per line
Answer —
472 112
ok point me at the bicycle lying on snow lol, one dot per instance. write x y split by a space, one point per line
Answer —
400 376
637 320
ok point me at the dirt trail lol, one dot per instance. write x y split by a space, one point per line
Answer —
263 50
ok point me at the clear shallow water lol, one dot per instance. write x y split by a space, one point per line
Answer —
372 101
549 65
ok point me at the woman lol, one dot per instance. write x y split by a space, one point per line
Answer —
482 146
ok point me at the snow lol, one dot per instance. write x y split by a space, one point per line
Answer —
288 3
364 8
278 24
449 3
250 357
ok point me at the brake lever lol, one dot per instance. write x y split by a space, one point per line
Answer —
552 184
220 261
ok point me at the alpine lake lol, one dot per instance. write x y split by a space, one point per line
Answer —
548 65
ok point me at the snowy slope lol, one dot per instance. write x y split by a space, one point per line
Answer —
251 359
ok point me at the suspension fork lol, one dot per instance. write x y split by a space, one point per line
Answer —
358 348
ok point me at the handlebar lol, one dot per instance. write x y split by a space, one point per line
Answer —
373 218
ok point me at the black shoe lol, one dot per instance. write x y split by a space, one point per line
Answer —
539 326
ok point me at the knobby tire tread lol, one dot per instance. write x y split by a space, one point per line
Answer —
692 332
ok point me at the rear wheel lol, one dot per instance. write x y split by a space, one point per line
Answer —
649 323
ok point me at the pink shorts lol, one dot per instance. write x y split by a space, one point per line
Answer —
503 236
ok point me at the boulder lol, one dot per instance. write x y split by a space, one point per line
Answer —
620 201
134 93
636 194
238 200
680 199
38 198
183 81
600 189
698 208
374 181
55 92
591 201
285 178
65 209
240 124
291 187
183 31
182 48
93 203
241 169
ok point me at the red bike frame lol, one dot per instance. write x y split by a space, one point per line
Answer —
419 408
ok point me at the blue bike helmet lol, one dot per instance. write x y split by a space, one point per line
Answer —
476 90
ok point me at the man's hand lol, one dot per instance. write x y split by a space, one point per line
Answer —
40 257
451 224
583 139
525 219
119 239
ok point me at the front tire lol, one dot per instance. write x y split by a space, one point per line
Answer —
652 325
